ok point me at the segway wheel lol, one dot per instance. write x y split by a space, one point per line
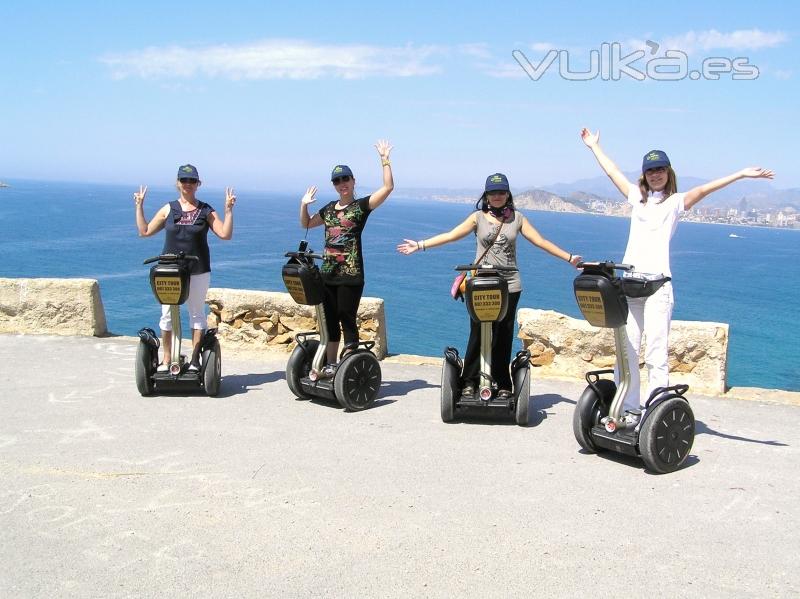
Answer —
667 435
145 366
450 387
522 389
299 365
212 369
357 381
589 411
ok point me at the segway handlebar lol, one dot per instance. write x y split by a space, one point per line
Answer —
302 255
484 266
171 258
607 265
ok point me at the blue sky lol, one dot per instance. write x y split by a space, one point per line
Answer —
271 95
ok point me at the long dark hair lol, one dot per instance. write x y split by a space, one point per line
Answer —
483 202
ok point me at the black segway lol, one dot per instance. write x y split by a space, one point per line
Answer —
663 436
357 379
486 297
169 280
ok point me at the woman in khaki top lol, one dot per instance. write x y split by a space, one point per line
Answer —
496 212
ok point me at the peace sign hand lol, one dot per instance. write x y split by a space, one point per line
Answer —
138 196
230 198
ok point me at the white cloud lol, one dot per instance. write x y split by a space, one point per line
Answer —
783 74
743 39
542 46
275 59
478 50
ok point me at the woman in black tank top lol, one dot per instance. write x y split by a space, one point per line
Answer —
187 221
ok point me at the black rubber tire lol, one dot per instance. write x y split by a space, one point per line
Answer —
589 410
357 381
212 369
449 391
522 390
299 365
666 435
145 367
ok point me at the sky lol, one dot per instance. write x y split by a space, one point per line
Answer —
271 95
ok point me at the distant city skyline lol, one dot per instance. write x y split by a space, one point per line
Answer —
272 96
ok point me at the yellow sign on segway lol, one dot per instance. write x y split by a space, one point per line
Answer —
295 288
592 307
487 304
168 289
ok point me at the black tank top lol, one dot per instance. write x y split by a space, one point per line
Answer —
188 232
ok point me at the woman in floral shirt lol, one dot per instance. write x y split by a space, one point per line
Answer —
343 262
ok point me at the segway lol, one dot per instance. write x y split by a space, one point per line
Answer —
357 379
169 280
486 297
663 436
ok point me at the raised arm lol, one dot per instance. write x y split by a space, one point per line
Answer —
307 221
224 228
592 141
696 194
157 223
409 246
379 196
530 233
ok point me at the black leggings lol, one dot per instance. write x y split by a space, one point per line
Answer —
341 306
502 340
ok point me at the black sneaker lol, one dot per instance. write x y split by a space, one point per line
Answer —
468 391
328 371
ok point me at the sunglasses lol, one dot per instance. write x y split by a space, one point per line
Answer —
496 193
188 180
656 170
342 179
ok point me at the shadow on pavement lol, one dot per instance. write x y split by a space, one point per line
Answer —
702 428
237 384
399 388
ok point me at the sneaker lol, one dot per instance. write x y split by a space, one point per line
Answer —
193 367
632 418
162 368
504 394
468 391
327 371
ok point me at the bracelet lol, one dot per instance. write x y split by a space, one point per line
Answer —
570 258
421 244
385 162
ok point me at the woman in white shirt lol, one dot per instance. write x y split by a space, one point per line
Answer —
657 206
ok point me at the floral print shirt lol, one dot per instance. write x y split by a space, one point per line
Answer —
343 262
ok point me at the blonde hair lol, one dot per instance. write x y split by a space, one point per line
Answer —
670 188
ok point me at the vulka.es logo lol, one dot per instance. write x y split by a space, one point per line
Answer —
608 64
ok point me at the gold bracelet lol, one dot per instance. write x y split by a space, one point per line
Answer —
385 163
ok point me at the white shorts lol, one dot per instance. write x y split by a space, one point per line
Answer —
195 303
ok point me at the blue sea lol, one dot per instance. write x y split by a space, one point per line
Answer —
88 230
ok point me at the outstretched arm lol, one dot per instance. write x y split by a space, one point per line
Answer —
157 223
306 220
696 194
224 228
592 141
530 233
409 246
379 196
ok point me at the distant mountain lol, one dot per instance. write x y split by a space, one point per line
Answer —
757 193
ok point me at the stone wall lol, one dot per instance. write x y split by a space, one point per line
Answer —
269 320
52 306
568 347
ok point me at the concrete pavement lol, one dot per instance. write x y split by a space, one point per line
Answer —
256 493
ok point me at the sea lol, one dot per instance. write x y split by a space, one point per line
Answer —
745 276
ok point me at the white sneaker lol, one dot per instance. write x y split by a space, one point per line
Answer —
162 368
632 418
193 367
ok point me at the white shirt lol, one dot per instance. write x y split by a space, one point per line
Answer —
652 227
